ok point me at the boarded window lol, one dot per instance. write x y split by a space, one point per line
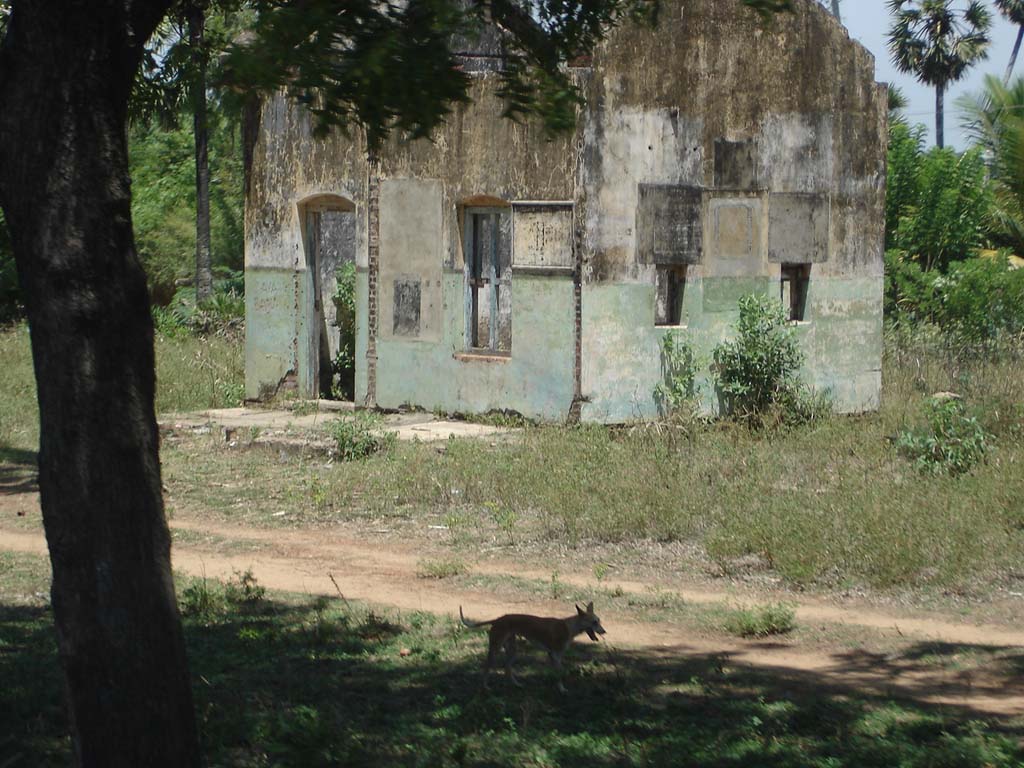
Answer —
487 247
798 228
796 279
407 308
543 236
669 224
668 299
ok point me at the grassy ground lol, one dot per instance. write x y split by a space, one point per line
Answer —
285 680
832 504
192 373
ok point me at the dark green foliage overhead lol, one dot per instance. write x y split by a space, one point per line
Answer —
391 67
167 78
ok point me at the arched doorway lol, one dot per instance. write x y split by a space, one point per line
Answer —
329 237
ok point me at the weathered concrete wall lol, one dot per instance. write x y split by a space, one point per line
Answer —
710 143
775 139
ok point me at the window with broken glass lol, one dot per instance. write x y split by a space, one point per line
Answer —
487 244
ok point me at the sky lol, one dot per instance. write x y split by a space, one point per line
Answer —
868 22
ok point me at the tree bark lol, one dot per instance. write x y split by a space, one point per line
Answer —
1013 56
940 116
196 17
65 75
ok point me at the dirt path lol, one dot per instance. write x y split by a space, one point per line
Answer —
302 561
400 564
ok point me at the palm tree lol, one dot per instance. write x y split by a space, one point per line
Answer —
938 44
994 120
1014 11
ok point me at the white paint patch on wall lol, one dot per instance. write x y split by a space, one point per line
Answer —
656 146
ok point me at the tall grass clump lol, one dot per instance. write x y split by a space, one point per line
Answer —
199 372
19 410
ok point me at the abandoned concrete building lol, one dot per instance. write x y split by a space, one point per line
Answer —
501 268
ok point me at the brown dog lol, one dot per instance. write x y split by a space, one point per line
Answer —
552 635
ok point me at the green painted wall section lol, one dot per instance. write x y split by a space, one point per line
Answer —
842 339
270 329
536 381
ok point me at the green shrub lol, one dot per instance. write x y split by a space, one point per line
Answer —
678 389
244 588
758 370
976 300
360 437
953 443
440 569
761 621
222 314
947 220
203 599
902 183
209 599
981 298
909 290
345 306
163 201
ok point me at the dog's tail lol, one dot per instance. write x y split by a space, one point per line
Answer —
473 624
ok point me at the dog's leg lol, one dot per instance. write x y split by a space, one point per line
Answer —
556 663
510 658
493 643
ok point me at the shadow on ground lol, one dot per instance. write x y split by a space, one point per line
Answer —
19 472
323 684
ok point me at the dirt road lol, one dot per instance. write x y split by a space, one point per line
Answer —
304 561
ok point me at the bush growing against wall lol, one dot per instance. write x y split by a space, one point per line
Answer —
677 391
758 371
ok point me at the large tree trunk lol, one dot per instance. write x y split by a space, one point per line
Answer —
196 16
940 116
65 74
1013 56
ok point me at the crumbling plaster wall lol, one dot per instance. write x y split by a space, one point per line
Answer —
709 100
755 117
476 154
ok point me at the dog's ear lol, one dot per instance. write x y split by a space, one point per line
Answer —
590 607
580 611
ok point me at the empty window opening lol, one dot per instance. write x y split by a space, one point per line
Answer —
669 293
488 252
796 279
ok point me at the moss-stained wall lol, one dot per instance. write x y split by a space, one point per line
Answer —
782 129
711 142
